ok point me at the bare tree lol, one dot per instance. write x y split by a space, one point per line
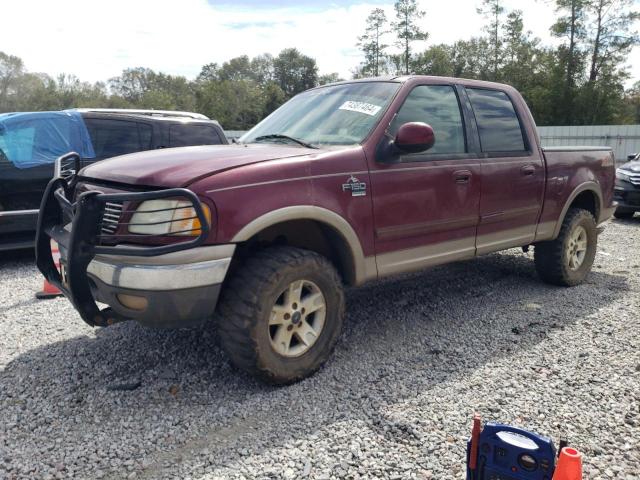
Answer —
371 42
493 10
407 29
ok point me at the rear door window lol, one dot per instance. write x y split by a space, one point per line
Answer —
111 137
146 136
185 135
498 124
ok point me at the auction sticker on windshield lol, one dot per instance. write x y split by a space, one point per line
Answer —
360 107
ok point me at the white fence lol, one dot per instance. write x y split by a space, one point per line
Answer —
623 139
234 134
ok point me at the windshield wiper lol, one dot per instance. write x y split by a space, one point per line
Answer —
284 137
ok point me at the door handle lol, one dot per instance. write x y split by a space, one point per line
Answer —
528 170
462 176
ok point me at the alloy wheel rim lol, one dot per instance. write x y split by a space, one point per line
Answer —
297 318
577 247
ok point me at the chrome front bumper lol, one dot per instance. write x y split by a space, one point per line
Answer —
129 272
178 289
173 271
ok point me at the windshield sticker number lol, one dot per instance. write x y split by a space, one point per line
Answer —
360 107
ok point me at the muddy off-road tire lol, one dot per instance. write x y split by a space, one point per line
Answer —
280 315
568 259
622 213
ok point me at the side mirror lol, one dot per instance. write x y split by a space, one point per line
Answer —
415 137
632 156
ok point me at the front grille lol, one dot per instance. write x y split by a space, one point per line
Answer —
111 217
635 179
107 217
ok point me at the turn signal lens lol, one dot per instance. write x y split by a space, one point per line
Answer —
133 302
186 221
168 217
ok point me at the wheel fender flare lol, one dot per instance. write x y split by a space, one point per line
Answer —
319 214
583 187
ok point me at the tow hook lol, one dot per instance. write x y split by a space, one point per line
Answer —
108 317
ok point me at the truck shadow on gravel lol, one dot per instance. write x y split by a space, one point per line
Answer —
635 220
402 337
17 257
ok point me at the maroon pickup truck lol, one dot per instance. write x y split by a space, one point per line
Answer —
343 184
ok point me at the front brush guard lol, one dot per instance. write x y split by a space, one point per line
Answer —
76 227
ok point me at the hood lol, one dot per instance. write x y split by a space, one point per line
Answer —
178 167
633 166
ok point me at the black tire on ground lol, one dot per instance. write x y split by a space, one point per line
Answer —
246 305
623 213
552 258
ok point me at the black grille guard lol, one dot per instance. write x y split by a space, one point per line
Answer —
76 227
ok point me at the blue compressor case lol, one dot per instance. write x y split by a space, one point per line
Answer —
510 453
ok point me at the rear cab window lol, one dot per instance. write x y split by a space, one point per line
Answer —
499 127
185 135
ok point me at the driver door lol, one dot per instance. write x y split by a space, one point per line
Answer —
426 205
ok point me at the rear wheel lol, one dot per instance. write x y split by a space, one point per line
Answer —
623 213
568 259
281 314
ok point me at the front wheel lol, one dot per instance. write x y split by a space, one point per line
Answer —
281 314
568 259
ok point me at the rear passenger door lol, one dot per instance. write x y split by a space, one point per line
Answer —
112 137
513 173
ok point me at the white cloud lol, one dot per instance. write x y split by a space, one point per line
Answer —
97 40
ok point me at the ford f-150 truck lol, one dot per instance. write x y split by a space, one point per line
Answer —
343 184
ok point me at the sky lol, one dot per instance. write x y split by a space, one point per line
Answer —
96 40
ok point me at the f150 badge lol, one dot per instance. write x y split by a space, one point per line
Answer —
358 188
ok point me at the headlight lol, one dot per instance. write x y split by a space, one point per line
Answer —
622 176
167 217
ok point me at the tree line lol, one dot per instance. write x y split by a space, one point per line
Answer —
237 93
578 82
581 81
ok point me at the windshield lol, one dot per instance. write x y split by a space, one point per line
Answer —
335 115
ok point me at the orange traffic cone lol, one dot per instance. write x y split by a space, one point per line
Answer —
569 465
48 290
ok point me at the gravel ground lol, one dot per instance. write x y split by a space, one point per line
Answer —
418 356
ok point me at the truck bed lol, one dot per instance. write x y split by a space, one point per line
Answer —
569 168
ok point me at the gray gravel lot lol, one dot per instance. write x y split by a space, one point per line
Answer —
418 356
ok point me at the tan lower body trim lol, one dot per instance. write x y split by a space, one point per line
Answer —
545 231
412 259
431 255
370 270
426 256
515 237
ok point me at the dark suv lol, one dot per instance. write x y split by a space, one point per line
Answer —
627 192
31 141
